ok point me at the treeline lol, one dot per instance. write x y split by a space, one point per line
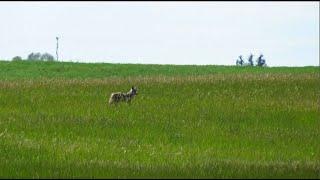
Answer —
36 57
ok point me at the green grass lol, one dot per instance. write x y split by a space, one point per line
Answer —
35 70
187 121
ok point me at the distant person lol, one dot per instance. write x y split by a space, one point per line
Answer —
250 60
260 61
239 61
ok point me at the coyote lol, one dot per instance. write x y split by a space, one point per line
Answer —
119 96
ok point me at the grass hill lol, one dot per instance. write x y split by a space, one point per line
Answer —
186 121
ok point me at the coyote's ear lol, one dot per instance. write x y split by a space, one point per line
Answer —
132 87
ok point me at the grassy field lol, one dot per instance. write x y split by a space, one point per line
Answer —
186 121
36 70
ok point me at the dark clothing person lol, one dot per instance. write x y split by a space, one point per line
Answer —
250 60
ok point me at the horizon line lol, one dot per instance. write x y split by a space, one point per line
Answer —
79 62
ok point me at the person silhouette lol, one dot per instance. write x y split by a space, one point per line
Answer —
241 60
250 59
261 61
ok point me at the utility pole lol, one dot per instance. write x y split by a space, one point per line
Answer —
57 48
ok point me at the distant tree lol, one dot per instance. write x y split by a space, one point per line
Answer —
250 60
260 61
30 56
34 56
17 58
47 57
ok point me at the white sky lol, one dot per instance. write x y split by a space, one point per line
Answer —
287 33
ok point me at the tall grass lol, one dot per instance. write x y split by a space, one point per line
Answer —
232 125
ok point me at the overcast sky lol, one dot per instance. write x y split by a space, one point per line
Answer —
287 33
